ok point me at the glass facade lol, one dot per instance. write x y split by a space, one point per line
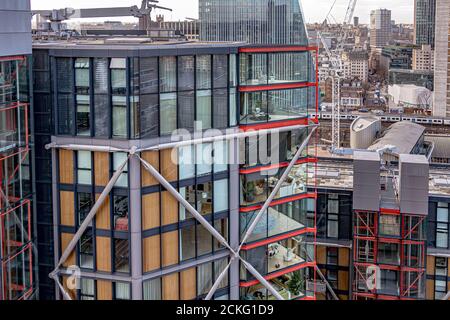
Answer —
253 21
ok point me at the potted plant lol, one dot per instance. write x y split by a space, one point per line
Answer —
296 284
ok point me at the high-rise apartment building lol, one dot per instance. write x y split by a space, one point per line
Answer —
423 58
441 106
424 22
380 28
356 65
16 192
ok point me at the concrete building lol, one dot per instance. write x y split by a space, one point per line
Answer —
356 65
442 59
424 22
17 260
380 28
364 131
423 58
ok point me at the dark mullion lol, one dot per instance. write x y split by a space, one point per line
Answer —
91 97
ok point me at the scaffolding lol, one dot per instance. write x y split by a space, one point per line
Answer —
16 248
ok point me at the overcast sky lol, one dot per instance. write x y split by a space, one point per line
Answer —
315 10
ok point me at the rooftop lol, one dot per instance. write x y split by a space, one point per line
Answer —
404 135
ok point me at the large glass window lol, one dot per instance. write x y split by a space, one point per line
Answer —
120 213
204 198
204 106
152 289
168 113
389 253
87 289
149 115
253 69
186 110
87 250
168 74
220 109
82 75
203 72
122 291
203 158
121 255
220 71
187 243
149 75
442 226
221 195
186 73
118 76
118 159
84 167
83 115
119 116
101 76
186 162
85 203
220 156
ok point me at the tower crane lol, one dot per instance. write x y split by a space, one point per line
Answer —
56 16
336 74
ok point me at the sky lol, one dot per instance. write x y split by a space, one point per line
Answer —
314 10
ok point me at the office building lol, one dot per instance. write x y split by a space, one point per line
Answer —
380 28
17 277
424 22
442 59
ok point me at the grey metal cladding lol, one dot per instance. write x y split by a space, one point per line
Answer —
366 181
413 184
15 27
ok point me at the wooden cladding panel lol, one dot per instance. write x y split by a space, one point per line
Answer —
103 216
150 211
101 168
65 239
430 290
169 248
104 290
188 284
169 168
430 265
169 208
343 255
66 166
151 157
343 280
170 287
321 255
103 252
152 253
67 208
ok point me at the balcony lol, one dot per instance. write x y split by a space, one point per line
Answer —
291 286
256 187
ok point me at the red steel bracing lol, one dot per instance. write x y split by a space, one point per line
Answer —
309 160
15 213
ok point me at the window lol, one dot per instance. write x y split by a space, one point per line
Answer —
220 195
120 213
220 156
118 159
233 108
83 115
118 76
119 116
186 158
204 278
87 250
168 74
390 225
84 163
204 108
440 289
87 289
220 112
204 198
189 194
122 291
101 76
204 159
168 113
186 110
203 72
149 117
332 256
389 253
220 71
204 241
442 225
121 255
85 202
82 75
148 75
441 266
186 73
187 243
152 289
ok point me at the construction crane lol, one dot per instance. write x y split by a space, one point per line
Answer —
336 73
57 16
